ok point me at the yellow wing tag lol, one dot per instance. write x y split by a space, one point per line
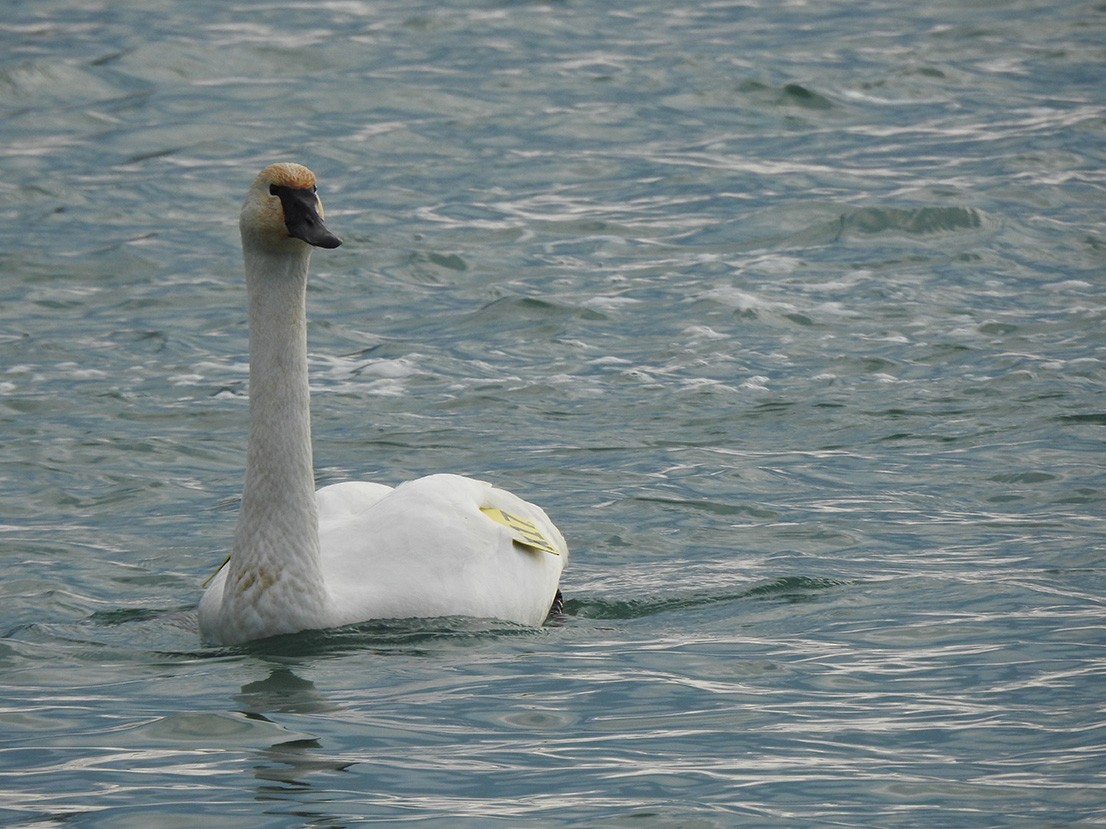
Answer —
523 531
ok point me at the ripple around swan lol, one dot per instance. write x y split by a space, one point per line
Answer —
789 589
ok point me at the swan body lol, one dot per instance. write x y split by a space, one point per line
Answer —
443 545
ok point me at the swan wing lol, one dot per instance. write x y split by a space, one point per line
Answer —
338 501
443 545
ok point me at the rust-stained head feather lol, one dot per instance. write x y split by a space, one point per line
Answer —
288 174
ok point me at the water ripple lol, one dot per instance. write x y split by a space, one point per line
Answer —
789 314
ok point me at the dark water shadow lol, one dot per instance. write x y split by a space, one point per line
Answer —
399 637
786 590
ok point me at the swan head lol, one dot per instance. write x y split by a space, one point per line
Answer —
282 210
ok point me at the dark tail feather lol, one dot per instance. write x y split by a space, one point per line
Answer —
557 609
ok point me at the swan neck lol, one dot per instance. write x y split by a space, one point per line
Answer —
276 538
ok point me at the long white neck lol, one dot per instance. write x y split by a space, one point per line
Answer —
274 568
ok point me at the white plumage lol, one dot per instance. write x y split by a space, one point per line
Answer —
443 545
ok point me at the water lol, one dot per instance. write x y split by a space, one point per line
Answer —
790 314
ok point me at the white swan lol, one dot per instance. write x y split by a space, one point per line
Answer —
443 545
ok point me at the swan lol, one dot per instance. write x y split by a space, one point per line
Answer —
442 545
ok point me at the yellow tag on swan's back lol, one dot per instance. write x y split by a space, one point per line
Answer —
523 531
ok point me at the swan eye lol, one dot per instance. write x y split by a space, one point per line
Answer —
272 190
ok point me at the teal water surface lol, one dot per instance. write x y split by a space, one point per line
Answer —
790 314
